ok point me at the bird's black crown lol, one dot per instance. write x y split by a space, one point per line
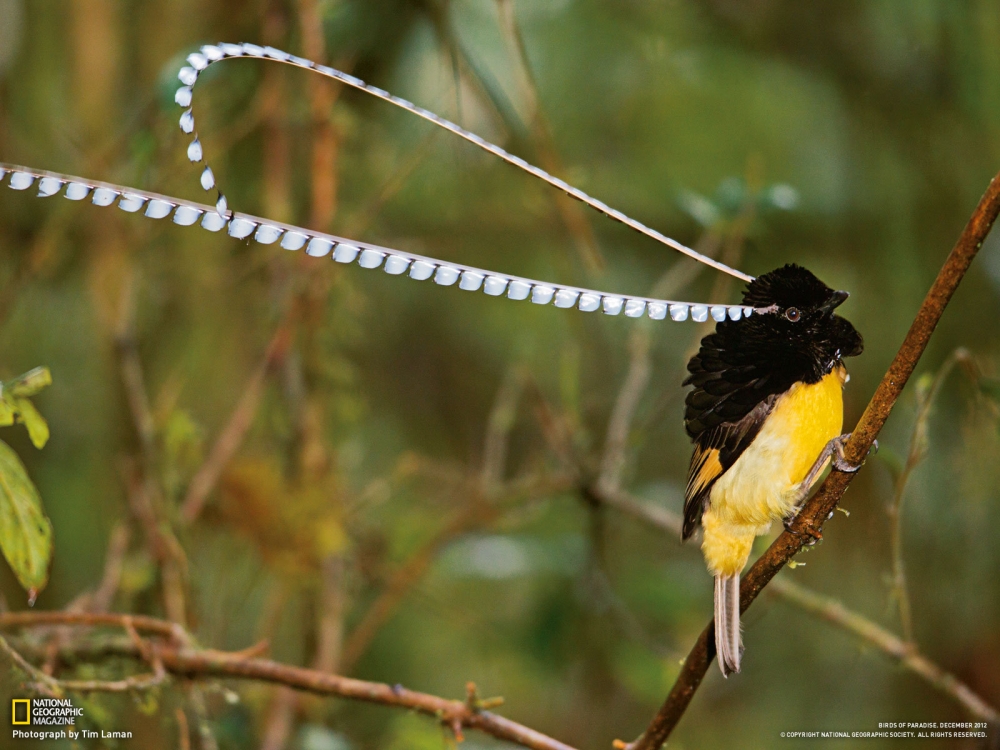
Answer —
788 286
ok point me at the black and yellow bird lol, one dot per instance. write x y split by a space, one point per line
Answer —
765 416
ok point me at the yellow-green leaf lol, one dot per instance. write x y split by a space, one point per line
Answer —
38 428
30 383
25 532
7 412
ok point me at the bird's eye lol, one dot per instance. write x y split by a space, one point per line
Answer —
793 314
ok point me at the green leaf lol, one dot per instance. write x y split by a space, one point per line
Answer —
30 383
7 412
38 428
25 532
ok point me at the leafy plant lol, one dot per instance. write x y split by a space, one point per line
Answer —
25 531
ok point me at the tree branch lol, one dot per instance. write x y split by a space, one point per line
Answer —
821 505
179 659
905 652
829 608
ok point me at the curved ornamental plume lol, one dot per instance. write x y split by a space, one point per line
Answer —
342 250
212 53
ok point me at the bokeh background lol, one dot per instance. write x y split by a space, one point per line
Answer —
425 489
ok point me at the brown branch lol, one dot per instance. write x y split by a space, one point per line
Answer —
194 663
98 600
818 508
143 493
45 684
183 731
903 651
170 630
49 685
827 607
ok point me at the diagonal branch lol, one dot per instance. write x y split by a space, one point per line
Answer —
830 609
822 504
902 650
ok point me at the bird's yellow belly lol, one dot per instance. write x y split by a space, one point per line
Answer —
763 484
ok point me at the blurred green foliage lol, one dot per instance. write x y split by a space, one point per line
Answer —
25 532
851 136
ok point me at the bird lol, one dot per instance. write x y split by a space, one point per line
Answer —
765 414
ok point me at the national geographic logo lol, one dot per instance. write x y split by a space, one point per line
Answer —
53 712
20 710
44 711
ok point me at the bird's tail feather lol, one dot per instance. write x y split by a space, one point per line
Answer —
728 643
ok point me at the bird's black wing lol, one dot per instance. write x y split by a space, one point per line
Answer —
735 389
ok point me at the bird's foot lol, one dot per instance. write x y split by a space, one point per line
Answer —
814 534
840 463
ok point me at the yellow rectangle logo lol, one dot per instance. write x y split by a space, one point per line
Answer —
20 711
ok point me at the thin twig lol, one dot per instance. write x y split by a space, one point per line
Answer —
183 731
114 563
142 493
45 684
451 712
902 650
50 686
647 513
142 623
98 600
145 498
810 520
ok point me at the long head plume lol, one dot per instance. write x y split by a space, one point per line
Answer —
343 250
212 53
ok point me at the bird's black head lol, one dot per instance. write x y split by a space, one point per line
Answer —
793 319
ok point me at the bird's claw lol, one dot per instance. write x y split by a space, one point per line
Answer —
814 534
840 463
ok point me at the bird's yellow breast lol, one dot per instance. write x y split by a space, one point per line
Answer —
762 485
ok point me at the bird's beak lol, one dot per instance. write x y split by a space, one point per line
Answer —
836 300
